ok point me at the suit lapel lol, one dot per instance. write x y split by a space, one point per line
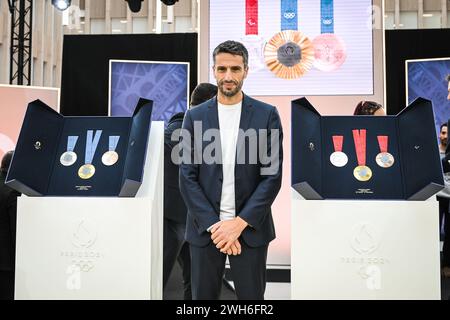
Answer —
213 123
246 114
244 124
213 114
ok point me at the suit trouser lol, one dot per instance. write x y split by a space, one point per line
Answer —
175 248
444 215
6 285
248 271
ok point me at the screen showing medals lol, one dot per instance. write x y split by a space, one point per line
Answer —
69 157
329 49
110 157
361 172
338 158
87 170
384 159
252 41
289 54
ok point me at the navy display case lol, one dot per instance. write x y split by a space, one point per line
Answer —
36 169
415 175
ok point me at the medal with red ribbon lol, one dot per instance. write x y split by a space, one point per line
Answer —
338 158
361 172
384 159
252 41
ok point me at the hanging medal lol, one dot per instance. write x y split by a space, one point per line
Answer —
329 49
361 172
69 157
289 54
110 157
252 41
384 159
87 170
338 158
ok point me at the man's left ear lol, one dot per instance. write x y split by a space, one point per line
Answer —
245 72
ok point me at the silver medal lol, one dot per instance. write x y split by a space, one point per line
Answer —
68 158
338 159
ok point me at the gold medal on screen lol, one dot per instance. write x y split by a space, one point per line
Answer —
289 54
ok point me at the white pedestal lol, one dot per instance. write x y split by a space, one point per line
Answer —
365 249
94 248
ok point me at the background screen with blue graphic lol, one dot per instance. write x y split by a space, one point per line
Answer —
166 83
427 79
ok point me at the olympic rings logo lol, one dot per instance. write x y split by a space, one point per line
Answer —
289 15
327 21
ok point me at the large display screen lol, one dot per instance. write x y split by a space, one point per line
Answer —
427 79
166 83
299 47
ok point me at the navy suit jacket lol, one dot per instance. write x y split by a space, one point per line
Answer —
201 184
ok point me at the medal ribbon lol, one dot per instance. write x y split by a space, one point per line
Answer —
91 145
326 16
71 142
289 19
359 137
113 141
251 17
383 143
337 142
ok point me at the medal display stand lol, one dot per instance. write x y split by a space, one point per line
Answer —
99 248
365 250
365 157
383 247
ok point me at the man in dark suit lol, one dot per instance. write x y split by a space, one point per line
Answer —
229 178
8 205
175 246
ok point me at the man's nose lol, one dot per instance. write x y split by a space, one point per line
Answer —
228 75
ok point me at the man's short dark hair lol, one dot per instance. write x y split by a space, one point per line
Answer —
443 125
232 47
6 160
203 92
448 78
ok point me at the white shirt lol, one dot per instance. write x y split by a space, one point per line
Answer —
229 118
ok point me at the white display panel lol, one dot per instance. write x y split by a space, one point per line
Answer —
352 23
365 250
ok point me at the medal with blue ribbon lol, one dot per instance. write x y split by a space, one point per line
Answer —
87 170
329 49
69 157
289 54
110 157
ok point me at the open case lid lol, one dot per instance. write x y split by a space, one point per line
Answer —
306 134
417 144
419 149
137 148
30 168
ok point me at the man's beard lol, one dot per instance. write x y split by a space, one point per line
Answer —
444 141
230 93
